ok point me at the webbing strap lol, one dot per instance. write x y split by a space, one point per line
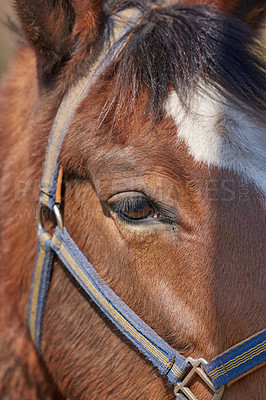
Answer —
124 21
236 361
40 286
224 368
164 357
168 361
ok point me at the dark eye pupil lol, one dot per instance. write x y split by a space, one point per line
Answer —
137 209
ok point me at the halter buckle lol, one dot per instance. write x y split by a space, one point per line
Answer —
182 392
57 214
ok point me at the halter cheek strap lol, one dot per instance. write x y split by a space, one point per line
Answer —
179 370
117 34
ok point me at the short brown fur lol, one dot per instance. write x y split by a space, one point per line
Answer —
198 284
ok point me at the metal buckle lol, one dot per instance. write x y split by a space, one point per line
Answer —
58 217
181 388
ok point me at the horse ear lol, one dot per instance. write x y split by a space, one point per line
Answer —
54 27
251 12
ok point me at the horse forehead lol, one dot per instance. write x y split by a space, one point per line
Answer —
220 135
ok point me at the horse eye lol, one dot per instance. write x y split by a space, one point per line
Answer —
135 209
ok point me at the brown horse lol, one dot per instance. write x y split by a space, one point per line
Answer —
163 193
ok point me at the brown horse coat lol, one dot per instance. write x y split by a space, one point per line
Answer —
195 274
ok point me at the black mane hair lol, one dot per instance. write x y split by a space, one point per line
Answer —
180 46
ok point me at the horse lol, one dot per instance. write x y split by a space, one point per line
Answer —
163 191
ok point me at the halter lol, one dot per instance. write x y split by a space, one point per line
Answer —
224 369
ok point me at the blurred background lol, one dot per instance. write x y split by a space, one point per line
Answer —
7 38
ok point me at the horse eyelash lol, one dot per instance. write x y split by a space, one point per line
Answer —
162 214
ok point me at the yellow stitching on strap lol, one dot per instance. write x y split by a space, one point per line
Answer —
246 359
146 343
238 360
176 370
38 271
35 293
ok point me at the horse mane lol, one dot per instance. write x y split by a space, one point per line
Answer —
180 47
184 48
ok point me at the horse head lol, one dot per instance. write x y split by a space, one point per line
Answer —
163 185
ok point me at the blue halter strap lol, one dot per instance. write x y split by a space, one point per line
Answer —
225 368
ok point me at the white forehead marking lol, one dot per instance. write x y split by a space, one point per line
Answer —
220 135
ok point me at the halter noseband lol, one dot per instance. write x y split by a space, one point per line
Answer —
226 368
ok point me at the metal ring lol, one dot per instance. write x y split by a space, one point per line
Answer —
182 390
58 217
